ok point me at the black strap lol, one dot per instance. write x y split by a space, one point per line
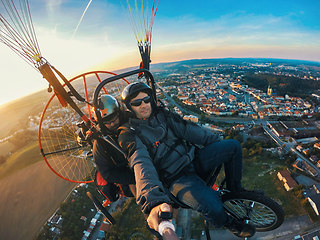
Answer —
150 147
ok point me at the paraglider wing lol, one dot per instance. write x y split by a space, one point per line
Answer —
142 18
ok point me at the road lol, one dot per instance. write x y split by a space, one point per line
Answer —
307 160
290 228
288 146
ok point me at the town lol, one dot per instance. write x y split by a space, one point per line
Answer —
221 94
217 99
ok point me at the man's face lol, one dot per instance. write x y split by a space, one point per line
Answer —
144 109
113 124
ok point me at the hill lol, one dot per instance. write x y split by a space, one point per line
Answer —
16 112
194 64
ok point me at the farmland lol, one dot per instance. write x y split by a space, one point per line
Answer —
30 192
28 198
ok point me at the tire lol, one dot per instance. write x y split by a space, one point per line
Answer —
264 213
101 208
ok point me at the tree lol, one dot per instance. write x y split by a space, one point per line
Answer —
63 207
245 152
235 113
239 138
45 234
112 235
304 202
202 117
20 139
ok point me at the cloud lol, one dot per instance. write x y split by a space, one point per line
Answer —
235 34
235 28
52 7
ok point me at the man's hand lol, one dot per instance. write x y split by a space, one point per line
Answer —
153 218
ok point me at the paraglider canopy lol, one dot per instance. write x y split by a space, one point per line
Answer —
142 18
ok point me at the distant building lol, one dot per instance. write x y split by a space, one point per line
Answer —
191 118
56 219
105 227
285 177
306 151
314 201
305 167
316 187
238 127
177 110
316 145
185 97
212 128
299 148
314 158
55 230
269 91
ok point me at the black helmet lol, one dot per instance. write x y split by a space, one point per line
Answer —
108 107
132 90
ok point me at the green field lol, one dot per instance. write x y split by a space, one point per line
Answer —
24 157
260 172
5 148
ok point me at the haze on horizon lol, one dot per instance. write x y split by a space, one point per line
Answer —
182 30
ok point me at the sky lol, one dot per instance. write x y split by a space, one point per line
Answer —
183 29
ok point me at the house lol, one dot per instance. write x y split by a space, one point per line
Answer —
306 151
105 227
56 219
299 148
298 164
314 201
313 158
55 230
283 174
285 177
316 145
238 127
183 97
316 187
191 118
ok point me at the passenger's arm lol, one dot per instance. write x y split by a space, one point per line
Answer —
108 168
115 175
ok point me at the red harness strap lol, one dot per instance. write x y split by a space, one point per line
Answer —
100 180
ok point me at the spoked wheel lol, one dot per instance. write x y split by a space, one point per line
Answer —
259 210
101 208
64 152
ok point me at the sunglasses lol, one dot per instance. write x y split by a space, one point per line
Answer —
138 102
110 121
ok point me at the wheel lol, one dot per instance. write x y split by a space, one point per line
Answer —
261 211
58 134
101 208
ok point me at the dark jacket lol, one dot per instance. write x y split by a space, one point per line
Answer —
158 150
111 164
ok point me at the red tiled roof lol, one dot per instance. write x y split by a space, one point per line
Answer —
105 227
